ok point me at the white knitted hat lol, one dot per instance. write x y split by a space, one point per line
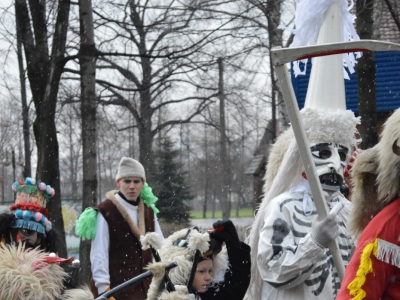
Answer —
129 167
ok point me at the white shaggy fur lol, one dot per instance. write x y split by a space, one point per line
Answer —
275 157
199 241
376 177
152 239
83 293
183 256
364 195
176 296
337 127
389 163
158 270
24 274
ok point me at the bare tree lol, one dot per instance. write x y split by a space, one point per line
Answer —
271 9
163 52
25 108
44 68
226 208
87 61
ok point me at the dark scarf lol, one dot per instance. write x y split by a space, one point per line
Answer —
134 203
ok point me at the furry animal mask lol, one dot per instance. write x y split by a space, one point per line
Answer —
376 176
181 248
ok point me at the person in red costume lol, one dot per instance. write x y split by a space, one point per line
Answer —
374 270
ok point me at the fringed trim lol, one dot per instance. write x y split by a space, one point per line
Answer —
31 225
135 230
388 253
355 287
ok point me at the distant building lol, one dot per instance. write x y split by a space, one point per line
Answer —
258 164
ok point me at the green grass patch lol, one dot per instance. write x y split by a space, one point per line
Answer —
245 212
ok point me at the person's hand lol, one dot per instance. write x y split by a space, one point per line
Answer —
225 231
326 231
108 289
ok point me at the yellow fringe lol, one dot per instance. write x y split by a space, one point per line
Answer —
364 268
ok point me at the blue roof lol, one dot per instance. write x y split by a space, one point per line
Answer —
387 84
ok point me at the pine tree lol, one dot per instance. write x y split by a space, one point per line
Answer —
170 187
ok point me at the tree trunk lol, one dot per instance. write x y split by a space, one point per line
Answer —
206 173
273 15
25 109
44 74
223 153
366 77
87 61
146 137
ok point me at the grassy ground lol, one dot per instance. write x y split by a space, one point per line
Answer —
246 212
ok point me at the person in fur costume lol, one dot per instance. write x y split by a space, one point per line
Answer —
115 227
205 270
30 273
374 270
289 244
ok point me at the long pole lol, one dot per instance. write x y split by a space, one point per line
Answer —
305 153
131 282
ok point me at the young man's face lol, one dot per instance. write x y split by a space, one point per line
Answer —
204 273
130 187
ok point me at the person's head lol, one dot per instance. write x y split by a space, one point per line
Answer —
130 187
130 178
330 162
31 223
200 260
203 276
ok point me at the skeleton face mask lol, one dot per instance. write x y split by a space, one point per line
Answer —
330 162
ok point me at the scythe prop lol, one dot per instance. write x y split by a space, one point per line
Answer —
282 56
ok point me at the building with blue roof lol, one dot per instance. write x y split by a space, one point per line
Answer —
387 84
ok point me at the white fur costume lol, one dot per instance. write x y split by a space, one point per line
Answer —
24 274
183 256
